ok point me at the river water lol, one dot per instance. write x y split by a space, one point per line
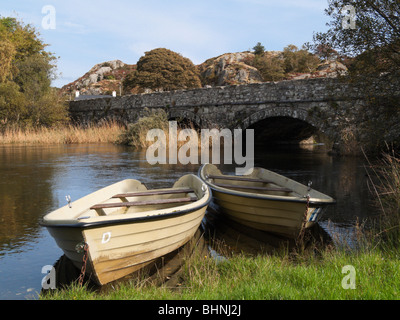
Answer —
35 180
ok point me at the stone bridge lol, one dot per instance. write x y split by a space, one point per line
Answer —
286 110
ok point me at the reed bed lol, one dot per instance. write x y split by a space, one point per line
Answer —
384 183
107 132
135 135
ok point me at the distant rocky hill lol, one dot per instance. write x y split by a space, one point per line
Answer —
328 69
229 68
235 68
103 78
226 69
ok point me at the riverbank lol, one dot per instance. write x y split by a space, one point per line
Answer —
108 132
330 275
135 135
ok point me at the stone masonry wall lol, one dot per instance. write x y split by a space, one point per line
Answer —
222 106
332 106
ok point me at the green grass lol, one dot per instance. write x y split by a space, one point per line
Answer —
263 277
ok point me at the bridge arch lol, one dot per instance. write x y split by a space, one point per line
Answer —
282 125
290 112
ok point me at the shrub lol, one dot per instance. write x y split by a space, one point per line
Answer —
162 69
136 133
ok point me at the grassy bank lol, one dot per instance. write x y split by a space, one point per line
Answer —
377 276
69 134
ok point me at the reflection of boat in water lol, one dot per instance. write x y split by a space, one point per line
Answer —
123 227
265 200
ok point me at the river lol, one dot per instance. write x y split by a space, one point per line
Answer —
36 179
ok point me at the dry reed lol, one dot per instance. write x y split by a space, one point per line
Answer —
384 184
69 134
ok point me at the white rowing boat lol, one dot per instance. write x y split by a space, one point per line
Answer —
124 226
265 200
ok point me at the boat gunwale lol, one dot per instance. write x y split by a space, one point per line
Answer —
161 216
311 201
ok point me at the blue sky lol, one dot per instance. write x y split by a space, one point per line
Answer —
88 32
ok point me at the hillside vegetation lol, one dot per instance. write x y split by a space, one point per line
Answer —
163 70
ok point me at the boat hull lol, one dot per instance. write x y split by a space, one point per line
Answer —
115 251
270 209
277 217
121 241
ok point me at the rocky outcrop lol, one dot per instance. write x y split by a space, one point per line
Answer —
103 78
327 69
233 69
229 69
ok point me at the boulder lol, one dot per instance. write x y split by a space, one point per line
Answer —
229 69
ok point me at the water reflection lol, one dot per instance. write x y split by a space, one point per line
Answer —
227 237
25 191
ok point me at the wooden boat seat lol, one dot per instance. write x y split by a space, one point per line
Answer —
142 203
238 179
152 193
253 188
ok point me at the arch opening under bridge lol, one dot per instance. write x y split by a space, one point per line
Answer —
285 125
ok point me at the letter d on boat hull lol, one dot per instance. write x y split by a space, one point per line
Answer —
106 237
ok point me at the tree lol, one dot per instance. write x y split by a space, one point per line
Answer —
301 61
12 104
162 69
259 49
7 53
368 31
375 33
33 76
26 71
270 67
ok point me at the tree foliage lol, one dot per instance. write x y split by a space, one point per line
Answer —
26 71
162 69
301 61
270 67
7 54
275 67
374 42
373 45
259 49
